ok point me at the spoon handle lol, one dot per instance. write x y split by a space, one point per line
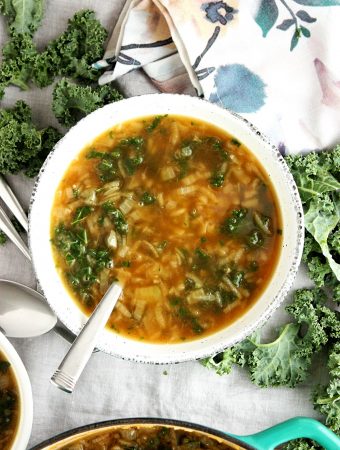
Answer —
70 369
12 203
8 228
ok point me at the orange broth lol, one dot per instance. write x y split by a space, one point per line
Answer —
181 213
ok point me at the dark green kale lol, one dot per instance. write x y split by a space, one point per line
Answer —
134 149
20 141
49 137
181 310
302 444
235 221
147 199
116 216
22 146
4 366
326 399
247 225
255 239
217 179
84 261
72 102
129 151
154 123
8 405
3 238
80 214
18 60
73 52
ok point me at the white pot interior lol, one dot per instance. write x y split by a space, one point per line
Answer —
83 134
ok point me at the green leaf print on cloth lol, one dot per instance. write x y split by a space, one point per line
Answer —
270 10
318 2
267 15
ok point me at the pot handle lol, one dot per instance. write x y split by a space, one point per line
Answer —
298 427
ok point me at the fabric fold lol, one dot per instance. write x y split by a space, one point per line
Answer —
277 66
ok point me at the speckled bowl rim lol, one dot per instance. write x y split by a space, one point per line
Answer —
138 422
286 284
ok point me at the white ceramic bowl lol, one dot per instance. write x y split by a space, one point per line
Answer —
25 394
83 134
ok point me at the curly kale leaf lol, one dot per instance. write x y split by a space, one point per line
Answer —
72 102
327 398
322 216
22 146
3 238
281 362
286 360
24 16
313 173
317 176
221 363
301 444
73 52
19 139
49 137
21 112
19 56
323 323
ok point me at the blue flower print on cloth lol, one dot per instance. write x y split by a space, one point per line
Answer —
238 89
219 12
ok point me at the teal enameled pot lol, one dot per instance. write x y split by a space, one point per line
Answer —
269 439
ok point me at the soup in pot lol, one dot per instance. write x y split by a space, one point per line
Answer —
178 211
147 438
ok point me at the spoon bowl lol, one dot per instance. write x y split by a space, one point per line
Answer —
23 311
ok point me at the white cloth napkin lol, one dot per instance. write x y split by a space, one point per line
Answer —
275 62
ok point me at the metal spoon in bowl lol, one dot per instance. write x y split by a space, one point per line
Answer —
71 367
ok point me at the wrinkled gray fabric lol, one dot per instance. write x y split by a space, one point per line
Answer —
111 388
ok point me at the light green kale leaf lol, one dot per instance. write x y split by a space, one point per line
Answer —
24 16
321 217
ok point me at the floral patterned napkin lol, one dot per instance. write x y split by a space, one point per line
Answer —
277 62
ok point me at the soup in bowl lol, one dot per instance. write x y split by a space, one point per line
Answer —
187 206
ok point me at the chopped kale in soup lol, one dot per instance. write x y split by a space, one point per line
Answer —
146 438
178 211
9 404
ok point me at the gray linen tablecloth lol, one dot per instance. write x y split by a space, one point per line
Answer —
111 388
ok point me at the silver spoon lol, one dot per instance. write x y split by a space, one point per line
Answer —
24 302
8 228
23 311
71 367
12 203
